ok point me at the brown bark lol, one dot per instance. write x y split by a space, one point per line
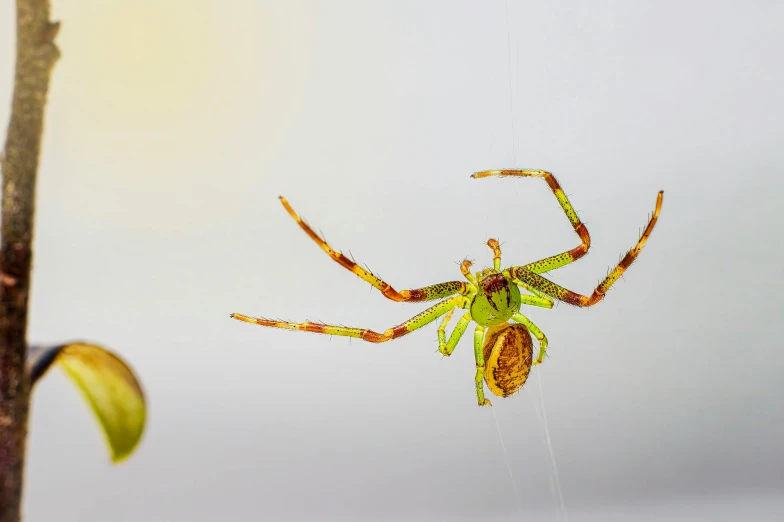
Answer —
36 55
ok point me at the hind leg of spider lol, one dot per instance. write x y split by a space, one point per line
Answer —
523 320
447 347
415 323
479 378
564 258
546 286
427 293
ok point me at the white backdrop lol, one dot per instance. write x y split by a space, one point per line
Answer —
172 128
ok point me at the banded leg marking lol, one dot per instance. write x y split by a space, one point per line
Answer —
547 302
546 286
415 323
427 293
564 258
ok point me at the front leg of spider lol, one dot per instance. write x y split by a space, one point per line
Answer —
528 274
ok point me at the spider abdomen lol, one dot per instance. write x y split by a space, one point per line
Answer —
508 354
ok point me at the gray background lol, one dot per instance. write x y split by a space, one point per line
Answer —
171 130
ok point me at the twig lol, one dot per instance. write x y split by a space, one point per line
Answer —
36 55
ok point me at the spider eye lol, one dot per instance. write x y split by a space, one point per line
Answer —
494 283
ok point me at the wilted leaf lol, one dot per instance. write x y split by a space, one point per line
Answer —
107 383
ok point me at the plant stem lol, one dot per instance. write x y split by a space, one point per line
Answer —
36 55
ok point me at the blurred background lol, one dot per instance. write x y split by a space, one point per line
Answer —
171 129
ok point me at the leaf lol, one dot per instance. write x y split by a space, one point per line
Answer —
108 385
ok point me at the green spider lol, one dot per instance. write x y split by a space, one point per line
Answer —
503 350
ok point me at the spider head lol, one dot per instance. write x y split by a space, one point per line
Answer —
496 300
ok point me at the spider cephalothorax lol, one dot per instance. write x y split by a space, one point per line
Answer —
496 300
503 350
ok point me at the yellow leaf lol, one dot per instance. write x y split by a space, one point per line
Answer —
109 386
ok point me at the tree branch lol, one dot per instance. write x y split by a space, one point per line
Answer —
36 55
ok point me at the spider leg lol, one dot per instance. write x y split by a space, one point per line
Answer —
523 320
538 299
479 379
545 286
442 329
428 293
564 258
416 322
447 347
543 301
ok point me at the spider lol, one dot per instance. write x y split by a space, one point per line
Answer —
492 297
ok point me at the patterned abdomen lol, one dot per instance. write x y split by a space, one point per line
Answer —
508 353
